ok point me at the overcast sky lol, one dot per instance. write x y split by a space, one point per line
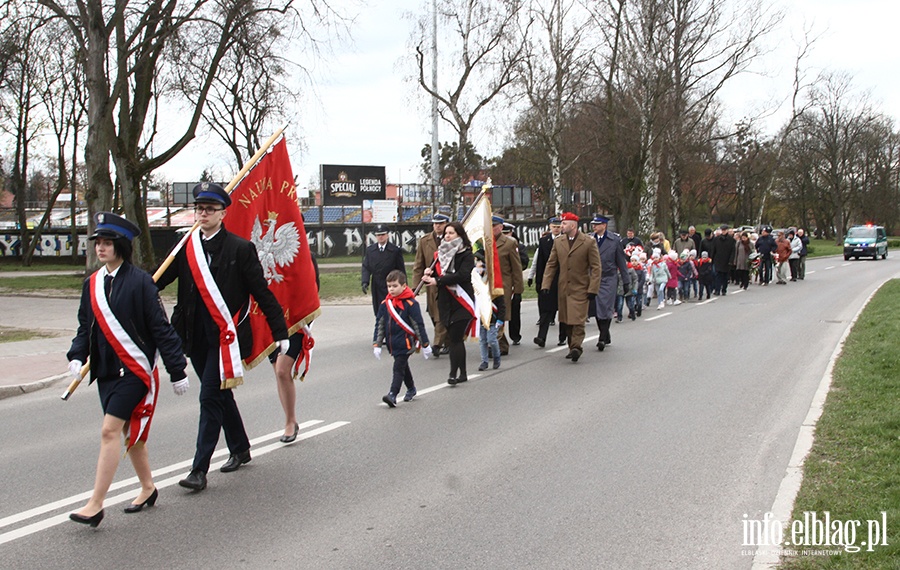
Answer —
367 114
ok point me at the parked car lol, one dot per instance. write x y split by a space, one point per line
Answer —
865 241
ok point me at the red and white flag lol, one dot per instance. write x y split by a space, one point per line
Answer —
264 210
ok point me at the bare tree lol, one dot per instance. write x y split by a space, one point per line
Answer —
124 48
486 51
554 76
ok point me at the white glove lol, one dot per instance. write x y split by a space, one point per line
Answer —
181 387
377 352
75 367
284 345
426 352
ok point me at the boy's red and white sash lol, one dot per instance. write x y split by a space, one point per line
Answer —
132 357
463 298
392 311
231 369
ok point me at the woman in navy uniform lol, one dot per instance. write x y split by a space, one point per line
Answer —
122 326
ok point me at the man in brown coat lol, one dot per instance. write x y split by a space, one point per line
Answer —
425 250
510 269
576 257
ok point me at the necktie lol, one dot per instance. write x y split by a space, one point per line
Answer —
381 248
107 285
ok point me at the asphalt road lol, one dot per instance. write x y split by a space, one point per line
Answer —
647 455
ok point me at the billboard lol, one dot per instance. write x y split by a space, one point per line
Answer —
350 185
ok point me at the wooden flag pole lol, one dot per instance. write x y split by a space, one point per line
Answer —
171 257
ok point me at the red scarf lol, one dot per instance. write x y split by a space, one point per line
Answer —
397 301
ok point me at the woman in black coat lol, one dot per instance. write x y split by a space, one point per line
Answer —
456 297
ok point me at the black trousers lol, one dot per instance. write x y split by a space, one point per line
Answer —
218 409
544 325
765 269
402 374
794 264
515 318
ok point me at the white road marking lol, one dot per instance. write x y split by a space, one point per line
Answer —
831 267
710 300
657 317
565 347
129 495
736 292
842 265
811 272
440 386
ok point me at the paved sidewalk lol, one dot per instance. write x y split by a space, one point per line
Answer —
30 365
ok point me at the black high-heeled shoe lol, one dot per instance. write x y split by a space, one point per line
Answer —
93 521
292 437
151 500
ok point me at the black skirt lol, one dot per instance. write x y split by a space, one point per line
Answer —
119 396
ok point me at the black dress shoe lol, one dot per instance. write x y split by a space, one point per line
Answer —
561 343
151 500
292 437
576 354
445 350
451 381
601 345
196 480
461 380
93 521
569 356
539 341
235 461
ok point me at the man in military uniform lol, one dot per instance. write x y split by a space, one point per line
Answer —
612 260
425 250
514 312
547 304
576 261
381 258
511 272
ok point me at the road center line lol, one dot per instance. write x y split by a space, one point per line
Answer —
129 495
830 267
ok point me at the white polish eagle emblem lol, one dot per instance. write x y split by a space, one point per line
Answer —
277 247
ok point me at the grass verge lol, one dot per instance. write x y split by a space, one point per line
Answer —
11 334
852 470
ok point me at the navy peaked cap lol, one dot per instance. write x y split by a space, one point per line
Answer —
210 192
114 226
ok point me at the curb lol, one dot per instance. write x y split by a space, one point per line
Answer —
19 389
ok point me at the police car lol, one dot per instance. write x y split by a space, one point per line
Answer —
865 241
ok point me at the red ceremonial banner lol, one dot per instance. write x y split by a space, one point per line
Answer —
264 210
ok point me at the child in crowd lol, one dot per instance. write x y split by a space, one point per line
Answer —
659 277
671 261
638 285
399 325
487 337
692 286
686 272
705 274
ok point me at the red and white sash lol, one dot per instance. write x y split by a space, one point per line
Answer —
463 298
392 311
132 357
231 369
